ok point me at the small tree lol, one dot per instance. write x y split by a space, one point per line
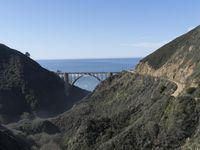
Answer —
27 54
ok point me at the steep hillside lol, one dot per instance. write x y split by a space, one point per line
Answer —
130 111
178 60
9 142
27 87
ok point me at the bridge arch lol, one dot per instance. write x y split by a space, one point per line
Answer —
83 75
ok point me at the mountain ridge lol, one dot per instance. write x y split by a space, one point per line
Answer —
177 61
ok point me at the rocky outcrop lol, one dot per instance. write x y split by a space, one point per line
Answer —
27 87
177 60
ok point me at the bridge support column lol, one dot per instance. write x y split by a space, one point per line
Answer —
110 74
67 84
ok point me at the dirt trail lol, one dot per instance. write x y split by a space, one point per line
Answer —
179 89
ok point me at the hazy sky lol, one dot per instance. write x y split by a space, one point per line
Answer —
52 29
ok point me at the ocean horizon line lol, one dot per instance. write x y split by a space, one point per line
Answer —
89 58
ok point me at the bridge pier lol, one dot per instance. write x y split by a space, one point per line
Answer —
110 74
67 84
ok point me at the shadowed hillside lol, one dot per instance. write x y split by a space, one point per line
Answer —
27 87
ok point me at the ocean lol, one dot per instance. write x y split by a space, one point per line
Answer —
89 65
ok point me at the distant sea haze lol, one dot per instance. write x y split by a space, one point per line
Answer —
89 65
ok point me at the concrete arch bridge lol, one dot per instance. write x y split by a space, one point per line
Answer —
72 77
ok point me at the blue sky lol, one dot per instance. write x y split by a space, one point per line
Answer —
59 29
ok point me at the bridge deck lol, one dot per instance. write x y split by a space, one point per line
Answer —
85 72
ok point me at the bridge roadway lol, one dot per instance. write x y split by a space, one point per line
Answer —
73 77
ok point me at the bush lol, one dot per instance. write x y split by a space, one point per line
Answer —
50 146
190 90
